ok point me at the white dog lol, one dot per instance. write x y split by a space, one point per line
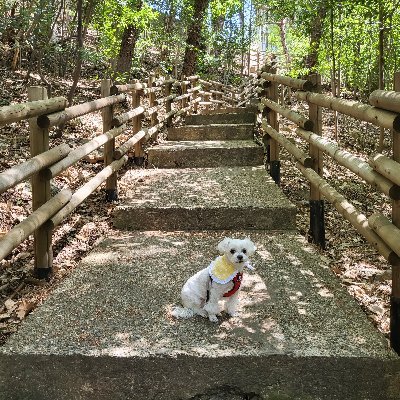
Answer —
220 280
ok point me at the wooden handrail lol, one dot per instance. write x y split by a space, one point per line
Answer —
45 113
47 121
361 111
18 112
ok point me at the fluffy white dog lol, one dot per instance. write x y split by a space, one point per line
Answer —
221 280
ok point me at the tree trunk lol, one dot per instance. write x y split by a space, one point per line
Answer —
195 40
129 38
79 49
381 65
316 35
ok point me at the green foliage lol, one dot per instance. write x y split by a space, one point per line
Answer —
113 16
355 29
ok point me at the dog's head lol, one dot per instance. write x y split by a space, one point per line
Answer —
237 251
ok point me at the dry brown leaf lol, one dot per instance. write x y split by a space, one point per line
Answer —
24 308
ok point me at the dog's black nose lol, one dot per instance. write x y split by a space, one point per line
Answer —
239 257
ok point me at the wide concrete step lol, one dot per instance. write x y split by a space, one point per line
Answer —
212 153
221 118
106 331
212 132
205 198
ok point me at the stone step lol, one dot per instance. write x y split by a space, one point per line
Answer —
203 198
212 132
221 118
106 332
213 153
227 110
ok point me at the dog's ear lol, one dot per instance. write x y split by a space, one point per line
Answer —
223 246
250 246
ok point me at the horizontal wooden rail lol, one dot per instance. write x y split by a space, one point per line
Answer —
153 110
18 173
125 117
349 212
216 92
86 190
300 156
363 112
123 149
154 89
117 89
386 230
47 121
299 84
180 83
293 116
188 108
387 167
163 100
204 83
168 82
352 162
194 89
154 129
181 97
388 100
20 232
18 112
79 152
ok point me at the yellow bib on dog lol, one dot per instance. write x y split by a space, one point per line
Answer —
221 270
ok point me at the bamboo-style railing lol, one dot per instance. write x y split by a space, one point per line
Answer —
380 171
174 98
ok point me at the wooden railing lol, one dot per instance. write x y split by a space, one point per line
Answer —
148 99
381 172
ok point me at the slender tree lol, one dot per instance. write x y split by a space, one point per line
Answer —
130 36
195 41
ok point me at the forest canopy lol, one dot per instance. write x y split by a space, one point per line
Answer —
354 44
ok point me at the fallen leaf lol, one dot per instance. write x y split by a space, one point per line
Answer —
10 305
25 308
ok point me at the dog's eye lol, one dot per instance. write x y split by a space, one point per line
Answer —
232 251
244 251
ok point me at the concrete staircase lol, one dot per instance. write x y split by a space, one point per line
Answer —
210 140
106 332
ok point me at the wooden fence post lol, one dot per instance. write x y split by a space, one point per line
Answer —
152 103
273 149
168 104
152 100
219 96
184 102
317 219
395 296
109 147
194 82
207 100
39 143
136 127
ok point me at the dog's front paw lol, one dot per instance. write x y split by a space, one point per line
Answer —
213 318
233 313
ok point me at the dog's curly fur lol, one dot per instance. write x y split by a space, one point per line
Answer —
194 291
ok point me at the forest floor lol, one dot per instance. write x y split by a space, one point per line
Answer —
365 274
